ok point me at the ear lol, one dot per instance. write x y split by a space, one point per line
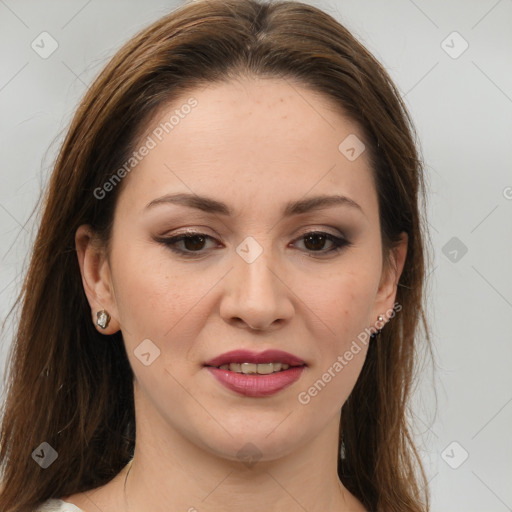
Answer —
96 277
391 273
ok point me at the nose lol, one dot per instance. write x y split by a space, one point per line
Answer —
256 295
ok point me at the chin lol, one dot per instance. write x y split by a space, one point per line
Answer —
253 443
249 452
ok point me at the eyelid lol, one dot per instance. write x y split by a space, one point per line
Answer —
339 242
200 230
323 229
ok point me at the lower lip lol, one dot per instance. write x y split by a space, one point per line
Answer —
256 385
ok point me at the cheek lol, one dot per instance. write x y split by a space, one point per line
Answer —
151 299
346 300
345 305
339 363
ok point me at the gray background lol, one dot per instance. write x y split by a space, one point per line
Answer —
462 106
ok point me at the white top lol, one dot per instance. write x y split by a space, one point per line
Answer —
57 506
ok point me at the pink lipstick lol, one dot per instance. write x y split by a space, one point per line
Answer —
256 374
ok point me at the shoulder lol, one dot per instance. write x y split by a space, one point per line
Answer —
54 505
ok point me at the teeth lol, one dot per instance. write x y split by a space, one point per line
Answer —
252 368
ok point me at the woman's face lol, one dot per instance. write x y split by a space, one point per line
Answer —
253 166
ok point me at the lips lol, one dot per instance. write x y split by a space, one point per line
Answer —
247 356
256 374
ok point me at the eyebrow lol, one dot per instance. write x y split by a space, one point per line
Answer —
209 205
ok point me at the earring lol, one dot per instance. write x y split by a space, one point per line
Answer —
373 335
102 318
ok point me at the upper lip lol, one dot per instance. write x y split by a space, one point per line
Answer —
247 356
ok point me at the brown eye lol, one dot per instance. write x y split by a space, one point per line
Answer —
315 242
190 245
194 243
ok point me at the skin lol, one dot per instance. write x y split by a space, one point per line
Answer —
254 144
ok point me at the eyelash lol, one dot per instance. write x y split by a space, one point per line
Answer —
171 242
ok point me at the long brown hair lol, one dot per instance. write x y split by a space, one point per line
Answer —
70 388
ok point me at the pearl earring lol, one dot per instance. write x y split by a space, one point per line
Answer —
102 318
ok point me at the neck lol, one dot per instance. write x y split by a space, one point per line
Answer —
176 474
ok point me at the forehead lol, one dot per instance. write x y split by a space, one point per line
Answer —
249 139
